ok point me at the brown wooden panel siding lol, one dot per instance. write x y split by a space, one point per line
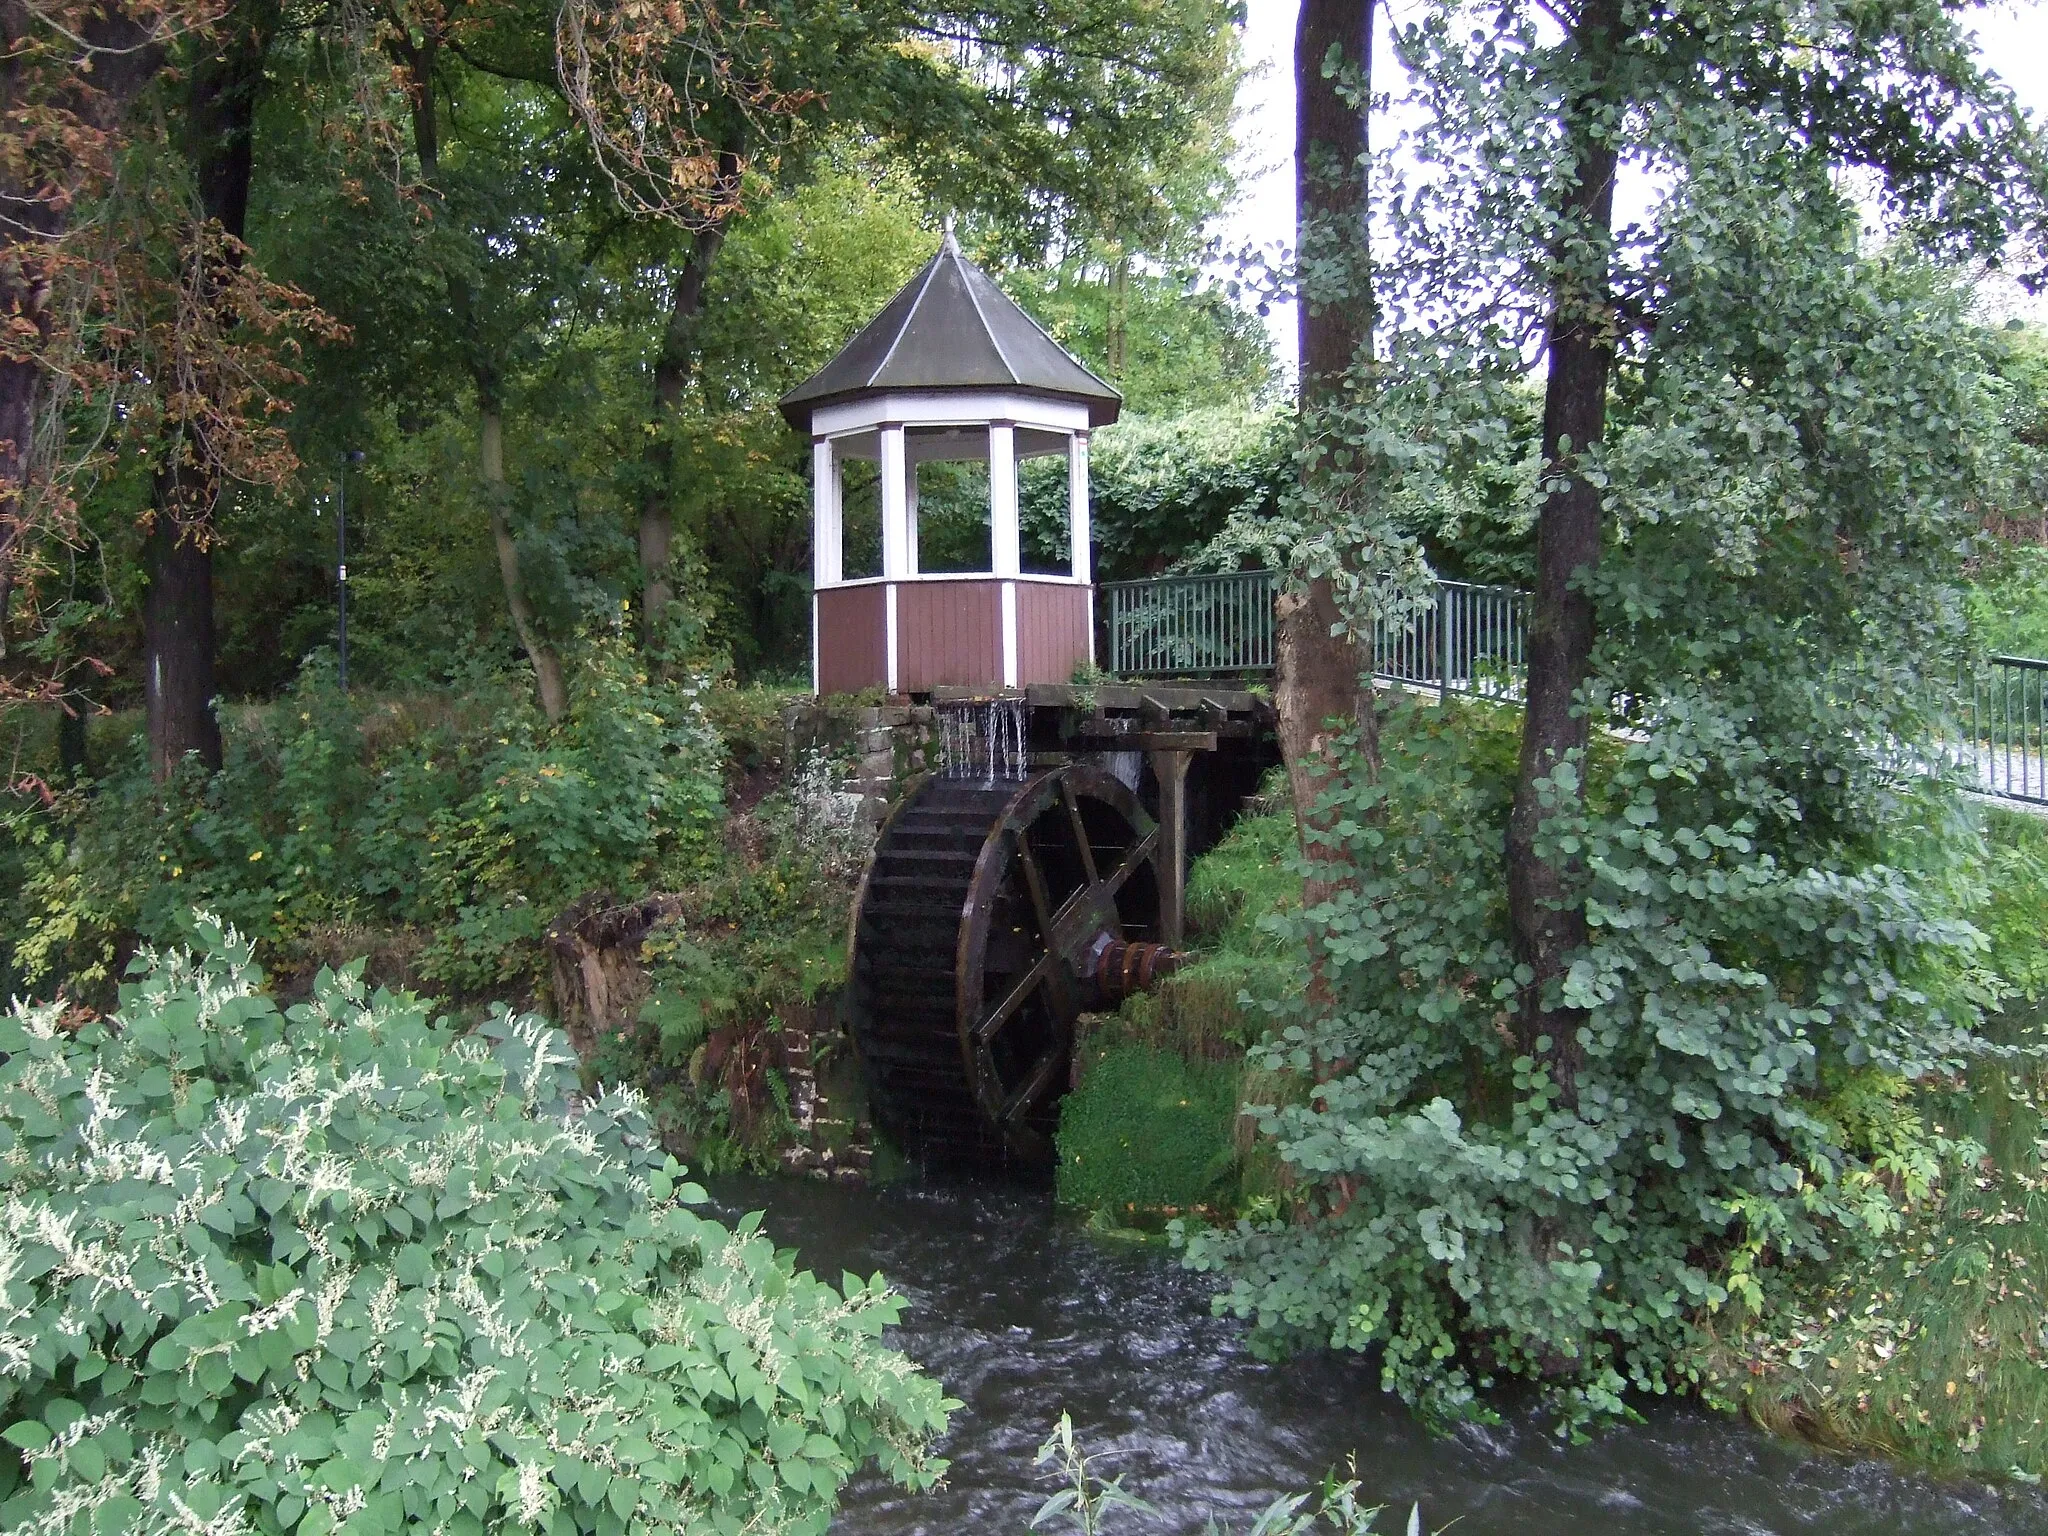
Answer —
853 639
1052 632
949 633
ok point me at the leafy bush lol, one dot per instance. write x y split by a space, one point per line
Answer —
342 1267
462 816
757 943
1931 1346
1748 1021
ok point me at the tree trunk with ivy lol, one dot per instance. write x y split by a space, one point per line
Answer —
1322 688
1546 911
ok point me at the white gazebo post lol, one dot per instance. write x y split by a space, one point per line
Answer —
895 532
1080 561
1005 547
828 533
910 560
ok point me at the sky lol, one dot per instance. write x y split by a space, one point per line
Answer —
2012 36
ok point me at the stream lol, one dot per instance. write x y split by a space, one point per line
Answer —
1021 1314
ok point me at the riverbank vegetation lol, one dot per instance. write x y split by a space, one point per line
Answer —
1615 1019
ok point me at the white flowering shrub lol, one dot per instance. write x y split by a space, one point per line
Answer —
344 1268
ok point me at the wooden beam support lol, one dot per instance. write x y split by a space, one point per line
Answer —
1170 767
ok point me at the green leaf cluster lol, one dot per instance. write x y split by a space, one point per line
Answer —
1147 1129
1474 1224
345 1268
467 822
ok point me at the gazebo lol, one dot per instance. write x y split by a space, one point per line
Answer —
950 370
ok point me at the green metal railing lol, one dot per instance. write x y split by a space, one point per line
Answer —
1473 640
2001 727
1190 626
1469 640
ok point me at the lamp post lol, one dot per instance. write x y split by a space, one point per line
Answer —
353 456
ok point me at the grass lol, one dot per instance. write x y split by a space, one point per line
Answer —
1937 1353
1153 1127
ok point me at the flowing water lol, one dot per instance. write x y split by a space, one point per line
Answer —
1022 1314
983 739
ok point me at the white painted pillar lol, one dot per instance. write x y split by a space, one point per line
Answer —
1005 549
828 530
910 565
895 536
828 535
1005 544
1078 528
895 505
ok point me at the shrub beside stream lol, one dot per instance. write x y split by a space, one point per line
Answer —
344 1265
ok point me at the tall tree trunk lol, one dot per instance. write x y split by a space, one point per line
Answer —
1546 909
177 648
673 366
1322 688
547 666
91 90
1334 305
178 634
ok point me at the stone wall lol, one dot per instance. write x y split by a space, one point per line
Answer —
883 745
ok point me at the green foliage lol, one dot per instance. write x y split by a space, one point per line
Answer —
759 941
471 823
2008 602
1130 1147
343 1267
1759 906
1472 1223
1147 1129
1187 349
2014 915
1162 486
1930 1345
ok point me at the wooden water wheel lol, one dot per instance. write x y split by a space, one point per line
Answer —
992 914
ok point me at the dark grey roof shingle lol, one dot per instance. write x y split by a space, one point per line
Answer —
952 328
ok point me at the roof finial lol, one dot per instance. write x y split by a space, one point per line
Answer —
952 241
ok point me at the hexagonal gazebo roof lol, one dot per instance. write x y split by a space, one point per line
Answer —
952 329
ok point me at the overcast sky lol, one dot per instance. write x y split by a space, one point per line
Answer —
2013 35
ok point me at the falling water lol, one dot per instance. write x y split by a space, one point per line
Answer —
984 740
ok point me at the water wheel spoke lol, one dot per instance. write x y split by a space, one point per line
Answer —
1034 1086
985 1029
1080 831
1034 882
1138 853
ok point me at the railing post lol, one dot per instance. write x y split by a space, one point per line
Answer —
1443 642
